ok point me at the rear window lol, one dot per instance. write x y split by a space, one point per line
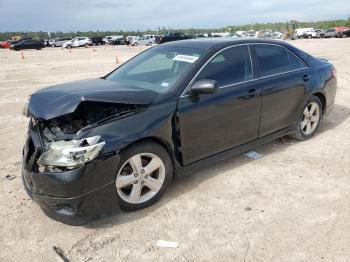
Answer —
295 61
273 59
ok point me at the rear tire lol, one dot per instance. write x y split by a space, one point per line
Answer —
309 120
87 45
137 185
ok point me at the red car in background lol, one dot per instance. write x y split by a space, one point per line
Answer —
5 44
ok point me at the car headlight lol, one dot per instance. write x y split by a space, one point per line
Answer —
72 153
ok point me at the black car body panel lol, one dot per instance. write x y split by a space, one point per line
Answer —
194 129
96 40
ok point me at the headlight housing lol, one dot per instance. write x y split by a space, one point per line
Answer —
71 154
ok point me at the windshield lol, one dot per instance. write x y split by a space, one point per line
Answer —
156 69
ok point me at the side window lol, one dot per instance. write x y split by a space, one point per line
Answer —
295 62
272 59
231 66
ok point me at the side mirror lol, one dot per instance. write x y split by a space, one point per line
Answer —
204 86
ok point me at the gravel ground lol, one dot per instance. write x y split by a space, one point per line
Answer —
290 205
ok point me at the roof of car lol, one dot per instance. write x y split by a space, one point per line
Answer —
208 43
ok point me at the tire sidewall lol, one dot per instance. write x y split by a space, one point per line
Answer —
146 147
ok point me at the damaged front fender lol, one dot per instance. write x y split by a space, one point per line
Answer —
155 122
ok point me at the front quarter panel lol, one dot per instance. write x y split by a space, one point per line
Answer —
153 122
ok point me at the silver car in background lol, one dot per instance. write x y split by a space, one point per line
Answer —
144 40
58 42
330 33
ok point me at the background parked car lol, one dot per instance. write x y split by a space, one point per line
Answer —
144 40
174 37
312 33
343 34
27 44
118 41
59 41
5 44
329 33
319 33
96 40
20 40
341 28
299 32
112 38
46 42
78 41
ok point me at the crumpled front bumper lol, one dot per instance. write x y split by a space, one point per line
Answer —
73 197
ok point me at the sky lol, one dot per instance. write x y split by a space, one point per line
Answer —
105 15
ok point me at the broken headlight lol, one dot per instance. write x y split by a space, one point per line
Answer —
72 153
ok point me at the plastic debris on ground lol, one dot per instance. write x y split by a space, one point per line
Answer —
253 155
163 243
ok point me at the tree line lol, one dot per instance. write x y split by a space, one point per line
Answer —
279 26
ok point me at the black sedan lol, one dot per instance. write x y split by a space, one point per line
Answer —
344 33
117 142
27 44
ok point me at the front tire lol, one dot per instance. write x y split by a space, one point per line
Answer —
309 119
144 174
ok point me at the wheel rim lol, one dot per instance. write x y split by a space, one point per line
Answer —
310 118
140 178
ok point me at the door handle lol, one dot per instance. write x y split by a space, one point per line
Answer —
252 93
306 77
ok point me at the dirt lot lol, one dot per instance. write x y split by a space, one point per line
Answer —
291 205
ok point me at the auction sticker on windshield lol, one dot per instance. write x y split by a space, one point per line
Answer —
186 58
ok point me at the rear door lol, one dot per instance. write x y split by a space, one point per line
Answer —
282 80
212 123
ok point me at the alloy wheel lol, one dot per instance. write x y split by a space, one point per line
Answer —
310 118
140 178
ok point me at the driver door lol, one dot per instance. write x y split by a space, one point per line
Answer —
212 123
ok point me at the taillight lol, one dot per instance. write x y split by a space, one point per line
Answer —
334 72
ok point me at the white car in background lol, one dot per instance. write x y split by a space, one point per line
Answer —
277 35
299 32
78 41
241 33
251 33
144 40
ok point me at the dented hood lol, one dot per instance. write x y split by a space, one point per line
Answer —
63 99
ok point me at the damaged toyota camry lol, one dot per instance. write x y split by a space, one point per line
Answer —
97 146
